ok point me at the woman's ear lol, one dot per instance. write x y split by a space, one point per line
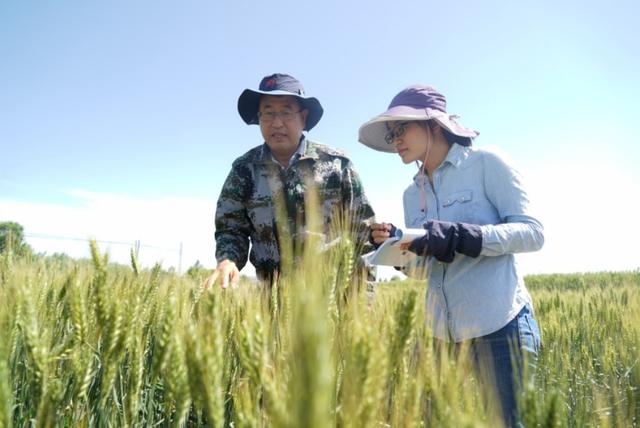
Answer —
437 129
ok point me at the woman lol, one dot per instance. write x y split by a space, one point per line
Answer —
476 216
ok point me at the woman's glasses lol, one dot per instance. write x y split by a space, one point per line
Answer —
396 132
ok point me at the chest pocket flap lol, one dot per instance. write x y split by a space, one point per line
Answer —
457 197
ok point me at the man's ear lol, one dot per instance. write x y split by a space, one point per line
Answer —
304 114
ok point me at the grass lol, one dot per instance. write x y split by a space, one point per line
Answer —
92 344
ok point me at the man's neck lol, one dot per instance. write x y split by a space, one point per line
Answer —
283 158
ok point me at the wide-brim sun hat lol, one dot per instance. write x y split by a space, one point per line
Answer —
417 102
278 85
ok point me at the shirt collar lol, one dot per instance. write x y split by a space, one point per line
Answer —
455 156
265 155
295 156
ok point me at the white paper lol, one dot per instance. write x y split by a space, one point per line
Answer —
390 253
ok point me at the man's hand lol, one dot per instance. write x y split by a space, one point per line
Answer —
226 273
380 232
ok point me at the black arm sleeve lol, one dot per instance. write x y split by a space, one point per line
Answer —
443 239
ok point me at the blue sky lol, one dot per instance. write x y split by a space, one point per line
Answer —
118 119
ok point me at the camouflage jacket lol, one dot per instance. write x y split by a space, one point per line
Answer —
247 206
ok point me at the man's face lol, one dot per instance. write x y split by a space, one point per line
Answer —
281 123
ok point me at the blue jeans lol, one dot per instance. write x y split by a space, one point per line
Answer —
499 360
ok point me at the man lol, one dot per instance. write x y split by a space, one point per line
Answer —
271 181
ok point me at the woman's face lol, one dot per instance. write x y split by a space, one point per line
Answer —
410 138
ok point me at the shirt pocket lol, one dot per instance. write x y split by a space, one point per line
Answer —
459 207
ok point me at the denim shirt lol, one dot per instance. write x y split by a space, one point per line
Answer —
473 297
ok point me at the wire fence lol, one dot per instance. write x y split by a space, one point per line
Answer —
119 250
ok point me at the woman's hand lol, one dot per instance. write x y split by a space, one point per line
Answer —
380 232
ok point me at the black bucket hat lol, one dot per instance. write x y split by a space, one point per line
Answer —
278 85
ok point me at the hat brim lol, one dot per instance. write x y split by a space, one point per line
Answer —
372 133
249 102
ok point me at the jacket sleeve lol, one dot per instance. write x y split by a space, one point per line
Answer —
518 231
233 226
356 203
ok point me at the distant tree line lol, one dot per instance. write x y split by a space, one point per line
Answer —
12 239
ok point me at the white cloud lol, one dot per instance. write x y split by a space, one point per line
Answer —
160 225
590 212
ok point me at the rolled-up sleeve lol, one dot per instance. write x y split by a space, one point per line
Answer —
521 234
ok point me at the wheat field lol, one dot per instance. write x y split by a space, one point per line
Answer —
88 343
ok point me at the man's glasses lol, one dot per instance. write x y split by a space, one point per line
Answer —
270 116
396 132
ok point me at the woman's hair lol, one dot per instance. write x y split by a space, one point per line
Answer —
450 137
